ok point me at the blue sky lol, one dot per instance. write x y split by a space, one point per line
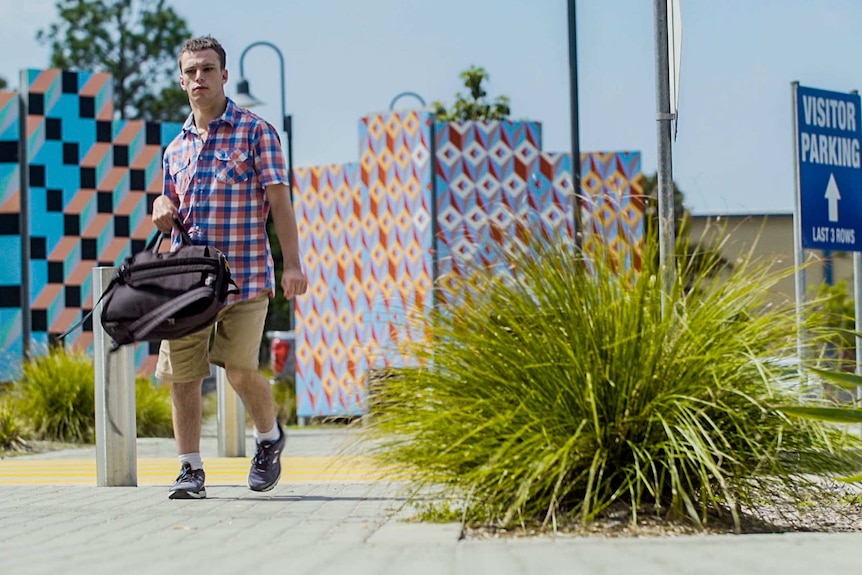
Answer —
348 58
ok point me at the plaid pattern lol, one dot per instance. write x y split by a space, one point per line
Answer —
219 185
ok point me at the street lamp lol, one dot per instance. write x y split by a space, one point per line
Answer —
402 94
575 127
246 100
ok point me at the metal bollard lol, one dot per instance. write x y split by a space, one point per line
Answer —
116 432
231 418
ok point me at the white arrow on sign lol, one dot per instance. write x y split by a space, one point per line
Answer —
832 195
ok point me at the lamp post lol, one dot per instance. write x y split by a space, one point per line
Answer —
404 94
575 127
246 100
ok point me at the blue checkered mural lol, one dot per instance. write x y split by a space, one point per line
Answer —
10 238
92 181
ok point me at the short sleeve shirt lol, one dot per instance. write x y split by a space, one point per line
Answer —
219 187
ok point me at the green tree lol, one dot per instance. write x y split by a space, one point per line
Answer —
169 105
680 213
476 105
3 83
280 309
136 41
836 311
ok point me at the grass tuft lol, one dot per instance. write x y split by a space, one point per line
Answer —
11 430
554 386
152 409
55 396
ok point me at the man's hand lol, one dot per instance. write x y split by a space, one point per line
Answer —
164 214
293 282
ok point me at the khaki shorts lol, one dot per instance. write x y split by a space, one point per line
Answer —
235 343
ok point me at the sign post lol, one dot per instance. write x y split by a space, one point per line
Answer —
828 215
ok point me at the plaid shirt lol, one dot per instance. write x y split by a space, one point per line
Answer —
219 185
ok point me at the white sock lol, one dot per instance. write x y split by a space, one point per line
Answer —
271 435
193 459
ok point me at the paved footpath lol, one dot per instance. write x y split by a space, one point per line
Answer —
328 521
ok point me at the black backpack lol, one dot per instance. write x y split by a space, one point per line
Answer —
155 296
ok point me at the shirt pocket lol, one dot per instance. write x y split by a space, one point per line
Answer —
180 173
233 166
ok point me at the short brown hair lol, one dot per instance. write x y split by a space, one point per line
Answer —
203 43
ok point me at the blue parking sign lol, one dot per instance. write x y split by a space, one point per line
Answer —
828 128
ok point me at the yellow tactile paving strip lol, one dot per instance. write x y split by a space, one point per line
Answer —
220 471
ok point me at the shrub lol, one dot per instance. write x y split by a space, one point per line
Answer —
11 431
284 395
284 392
152 409
554 386
55 396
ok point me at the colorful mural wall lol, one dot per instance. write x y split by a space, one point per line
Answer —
364 231
426 198
92 180
10 236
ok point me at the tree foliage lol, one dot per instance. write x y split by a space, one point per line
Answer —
3 83
136 41
475 105
680 213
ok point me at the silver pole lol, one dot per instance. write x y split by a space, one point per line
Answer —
24 214
231 418
664 118
798 251
574 123
857 298
116 433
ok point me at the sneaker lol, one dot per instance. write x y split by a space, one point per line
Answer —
189 484
266 464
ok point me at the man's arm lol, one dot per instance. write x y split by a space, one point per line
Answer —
293 281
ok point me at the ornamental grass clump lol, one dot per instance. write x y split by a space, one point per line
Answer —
55 396
11 431
152 409
558 384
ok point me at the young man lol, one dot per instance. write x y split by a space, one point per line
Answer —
223 174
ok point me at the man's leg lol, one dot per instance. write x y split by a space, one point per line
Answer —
256 395
187 406
270 438
184 363
236 347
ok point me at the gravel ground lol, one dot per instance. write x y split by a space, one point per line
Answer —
834 508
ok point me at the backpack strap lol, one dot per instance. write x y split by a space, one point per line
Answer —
153 245
89 314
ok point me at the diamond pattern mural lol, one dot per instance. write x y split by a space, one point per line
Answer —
494 182
612 208
365 233
329 317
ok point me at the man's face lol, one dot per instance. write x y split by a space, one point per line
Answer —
202 77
